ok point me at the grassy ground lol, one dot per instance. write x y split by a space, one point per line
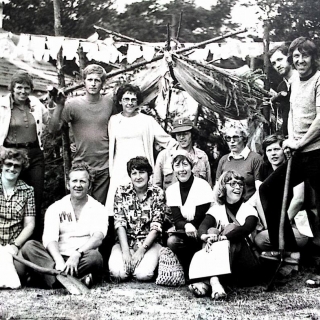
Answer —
133 300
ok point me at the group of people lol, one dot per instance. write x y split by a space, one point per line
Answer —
124 204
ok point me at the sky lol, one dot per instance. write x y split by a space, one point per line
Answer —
246 17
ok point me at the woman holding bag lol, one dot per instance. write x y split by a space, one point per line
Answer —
233 220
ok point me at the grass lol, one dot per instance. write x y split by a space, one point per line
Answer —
134 300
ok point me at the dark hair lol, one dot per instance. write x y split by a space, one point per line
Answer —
16 154
139 163
20 77
81 166
219 190
274 138
179 158
282 48
304 45
94 68
127 87
194 134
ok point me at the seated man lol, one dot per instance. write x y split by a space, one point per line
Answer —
17 208
138 216
275 157
74 228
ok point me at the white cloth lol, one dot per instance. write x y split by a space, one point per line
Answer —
61 225
220 214
8 275
242 155
200 193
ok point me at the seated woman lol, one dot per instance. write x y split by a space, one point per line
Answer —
234 220
17 208
267 240
189 199
138 216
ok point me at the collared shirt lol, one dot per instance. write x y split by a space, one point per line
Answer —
138 217
13 209
163 175
62 226
242 155
37 109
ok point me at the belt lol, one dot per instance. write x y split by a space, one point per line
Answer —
26 145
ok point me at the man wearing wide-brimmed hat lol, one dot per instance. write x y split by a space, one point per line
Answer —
185 133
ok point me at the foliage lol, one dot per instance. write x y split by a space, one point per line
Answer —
145 20
78 16
289 19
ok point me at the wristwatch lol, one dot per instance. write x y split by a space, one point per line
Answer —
145 246
81 253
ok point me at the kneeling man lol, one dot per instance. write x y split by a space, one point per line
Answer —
74 228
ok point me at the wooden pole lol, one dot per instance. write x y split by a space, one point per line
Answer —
66 153
266 106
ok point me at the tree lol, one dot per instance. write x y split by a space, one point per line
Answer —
289 19
37 17
147 20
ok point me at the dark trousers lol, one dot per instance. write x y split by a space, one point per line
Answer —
100 185
34 251
305 166
184 247
34 176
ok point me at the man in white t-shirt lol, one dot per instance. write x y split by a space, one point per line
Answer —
73 230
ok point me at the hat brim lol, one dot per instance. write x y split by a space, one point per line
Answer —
181 129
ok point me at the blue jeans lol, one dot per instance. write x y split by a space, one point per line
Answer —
100 185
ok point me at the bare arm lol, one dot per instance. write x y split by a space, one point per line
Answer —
28 227
54 124
297 200
53 249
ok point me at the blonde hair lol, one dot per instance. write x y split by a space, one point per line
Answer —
219 190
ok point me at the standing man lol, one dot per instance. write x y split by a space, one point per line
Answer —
279 60
303 129
185 134
89 116
74 228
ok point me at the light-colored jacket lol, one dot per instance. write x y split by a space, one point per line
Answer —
37 109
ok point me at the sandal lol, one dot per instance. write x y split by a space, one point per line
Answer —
313 283
218 292
199 289
270 255
292 258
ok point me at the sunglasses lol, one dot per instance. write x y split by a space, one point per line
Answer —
10 164
234 138
233 184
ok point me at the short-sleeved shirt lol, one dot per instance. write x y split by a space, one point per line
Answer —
89 122
249 168
62 226
13 210
139 217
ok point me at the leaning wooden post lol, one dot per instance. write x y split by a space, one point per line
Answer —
266 106
66 154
